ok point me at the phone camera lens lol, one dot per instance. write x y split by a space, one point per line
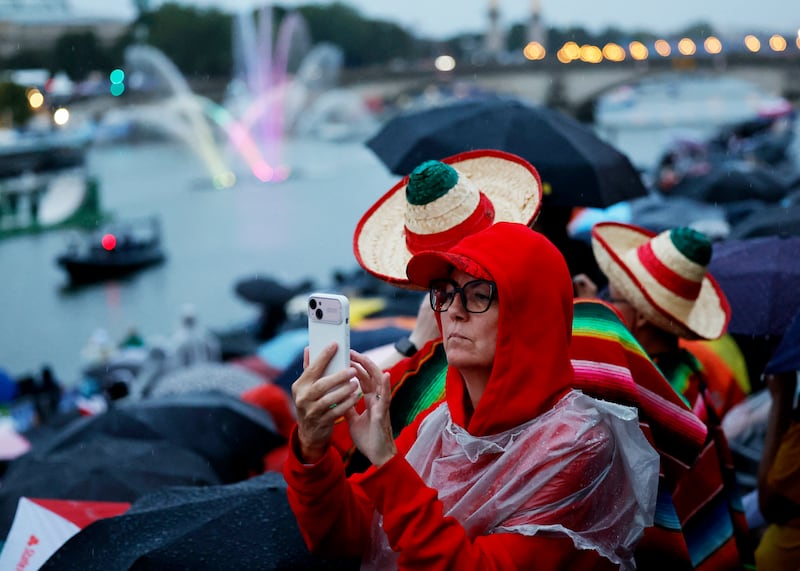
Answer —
312 304
319 313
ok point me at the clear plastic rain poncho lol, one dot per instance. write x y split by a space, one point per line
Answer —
584 469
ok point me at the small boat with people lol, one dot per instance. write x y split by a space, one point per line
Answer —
118 249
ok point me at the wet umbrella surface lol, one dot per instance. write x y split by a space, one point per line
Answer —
265 290
787 355
204 377
577 167
732 183
103 468
759 277
241 526
774 220
230 434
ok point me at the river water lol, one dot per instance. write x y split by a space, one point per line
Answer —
300 228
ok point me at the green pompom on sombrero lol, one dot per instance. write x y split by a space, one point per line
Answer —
429 181
693 244
440 202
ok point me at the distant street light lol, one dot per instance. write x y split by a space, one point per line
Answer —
591 54
712 45
663 48
61 116
638 51
613 52
777 43
35 98
564 58
445 63
534 51
752 43
687 47
571 51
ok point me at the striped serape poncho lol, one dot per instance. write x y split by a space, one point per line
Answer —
699 522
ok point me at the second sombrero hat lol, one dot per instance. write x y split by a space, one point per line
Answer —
664 276
439 203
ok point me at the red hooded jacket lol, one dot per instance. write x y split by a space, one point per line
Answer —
531 372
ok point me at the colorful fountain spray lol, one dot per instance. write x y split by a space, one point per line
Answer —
183 115
264 100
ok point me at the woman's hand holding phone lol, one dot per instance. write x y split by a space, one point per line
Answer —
371 430
320 399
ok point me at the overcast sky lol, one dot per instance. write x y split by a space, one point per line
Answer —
442 18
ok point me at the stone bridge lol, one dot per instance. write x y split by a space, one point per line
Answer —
575 86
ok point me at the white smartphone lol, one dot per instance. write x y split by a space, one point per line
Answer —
328 321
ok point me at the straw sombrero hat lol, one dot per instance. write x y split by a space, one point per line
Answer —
439 203
664 276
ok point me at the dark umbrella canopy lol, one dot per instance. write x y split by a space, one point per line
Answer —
732 182
230 434
658 213
769 221
577 167
759 277
244 526
265 290
787 355
101 469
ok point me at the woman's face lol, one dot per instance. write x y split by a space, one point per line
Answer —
469 338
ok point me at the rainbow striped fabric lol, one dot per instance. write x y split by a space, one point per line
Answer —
699 522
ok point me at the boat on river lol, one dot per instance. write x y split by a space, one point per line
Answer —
119 249
36 151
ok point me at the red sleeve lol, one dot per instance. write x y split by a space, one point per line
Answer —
417 528
333 515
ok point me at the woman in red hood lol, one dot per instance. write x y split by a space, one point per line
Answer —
514 470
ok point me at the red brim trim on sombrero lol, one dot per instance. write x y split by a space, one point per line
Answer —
360 226
643 235
400 279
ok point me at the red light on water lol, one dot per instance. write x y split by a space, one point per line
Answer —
109 242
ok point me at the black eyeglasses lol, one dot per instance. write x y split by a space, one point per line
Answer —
476 296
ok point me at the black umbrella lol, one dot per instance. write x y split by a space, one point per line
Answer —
769 221
658 213
264 290
577 167
272 297
101 469
244 526
787 355
759 277
732 182
230 434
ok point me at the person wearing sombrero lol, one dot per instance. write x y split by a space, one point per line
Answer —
661 285
514 469
435 206
381 246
